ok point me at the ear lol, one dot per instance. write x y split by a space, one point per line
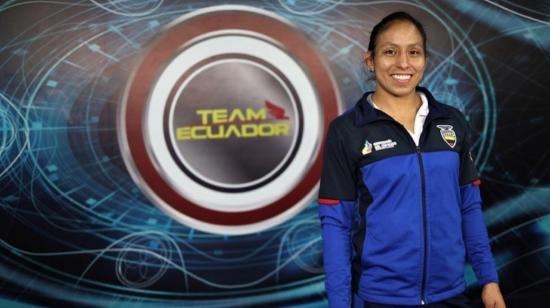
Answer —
369 60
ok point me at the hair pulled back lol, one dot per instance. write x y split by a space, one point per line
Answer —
387 21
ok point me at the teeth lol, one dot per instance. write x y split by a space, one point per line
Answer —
402 77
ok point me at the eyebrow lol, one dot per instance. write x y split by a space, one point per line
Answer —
395 45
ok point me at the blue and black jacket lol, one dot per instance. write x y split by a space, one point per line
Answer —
399 220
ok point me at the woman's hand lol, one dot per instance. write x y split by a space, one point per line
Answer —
491 296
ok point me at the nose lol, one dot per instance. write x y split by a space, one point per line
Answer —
403 60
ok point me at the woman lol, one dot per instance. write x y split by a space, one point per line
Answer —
399 200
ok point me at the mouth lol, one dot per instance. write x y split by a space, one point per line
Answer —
401 78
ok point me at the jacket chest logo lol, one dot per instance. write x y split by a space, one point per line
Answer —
367 149
377 146
448 134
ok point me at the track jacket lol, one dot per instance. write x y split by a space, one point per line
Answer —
398 220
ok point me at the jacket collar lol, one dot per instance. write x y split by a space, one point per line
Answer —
365 113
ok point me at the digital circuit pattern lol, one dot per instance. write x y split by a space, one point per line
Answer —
77 230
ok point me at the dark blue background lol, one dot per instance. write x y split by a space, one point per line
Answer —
76 230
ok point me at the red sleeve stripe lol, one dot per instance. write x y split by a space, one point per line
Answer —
328 201
476 182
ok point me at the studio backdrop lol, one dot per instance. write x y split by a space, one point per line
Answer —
169 152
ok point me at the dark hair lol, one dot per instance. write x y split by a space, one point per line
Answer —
387 21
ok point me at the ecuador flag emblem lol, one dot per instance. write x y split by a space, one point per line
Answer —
448 134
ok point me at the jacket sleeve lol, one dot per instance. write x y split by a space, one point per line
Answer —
474 230
336 212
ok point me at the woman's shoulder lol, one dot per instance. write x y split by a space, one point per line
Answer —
344 124
355 115
343 120
441 106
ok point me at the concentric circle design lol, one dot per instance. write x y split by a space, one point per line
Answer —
208 142
14 135
142 260
222 121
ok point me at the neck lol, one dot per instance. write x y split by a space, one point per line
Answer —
397 105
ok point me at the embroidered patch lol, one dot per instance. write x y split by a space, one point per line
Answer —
384 144
367 149
448 134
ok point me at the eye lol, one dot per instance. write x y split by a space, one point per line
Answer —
415 52
389 52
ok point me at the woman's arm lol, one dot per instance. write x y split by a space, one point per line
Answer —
478 249
474 231
336 212
475 235
336 231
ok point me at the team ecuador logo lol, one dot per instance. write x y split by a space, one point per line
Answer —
222 122
448 134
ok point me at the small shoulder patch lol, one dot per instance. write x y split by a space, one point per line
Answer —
448 134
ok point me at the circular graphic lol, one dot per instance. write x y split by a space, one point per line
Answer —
305 233
129 8
218 146
142 262
222 121
14 134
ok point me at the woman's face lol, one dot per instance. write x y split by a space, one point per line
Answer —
399 59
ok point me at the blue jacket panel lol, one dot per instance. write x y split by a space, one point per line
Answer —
393 244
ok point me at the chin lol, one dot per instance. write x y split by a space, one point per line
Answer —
403 91
398 90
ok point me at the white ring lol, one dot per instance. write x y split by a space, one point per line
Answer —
240 201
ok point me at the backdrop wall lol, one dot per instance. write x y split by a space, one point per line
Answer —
79 226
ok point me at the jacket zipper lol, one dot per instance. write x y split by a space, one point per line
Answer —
424 215
424 224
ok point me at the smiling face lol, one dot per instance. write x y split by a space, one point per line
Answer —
399 60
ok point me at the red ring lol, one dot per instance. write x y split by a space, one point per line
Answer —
163 51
